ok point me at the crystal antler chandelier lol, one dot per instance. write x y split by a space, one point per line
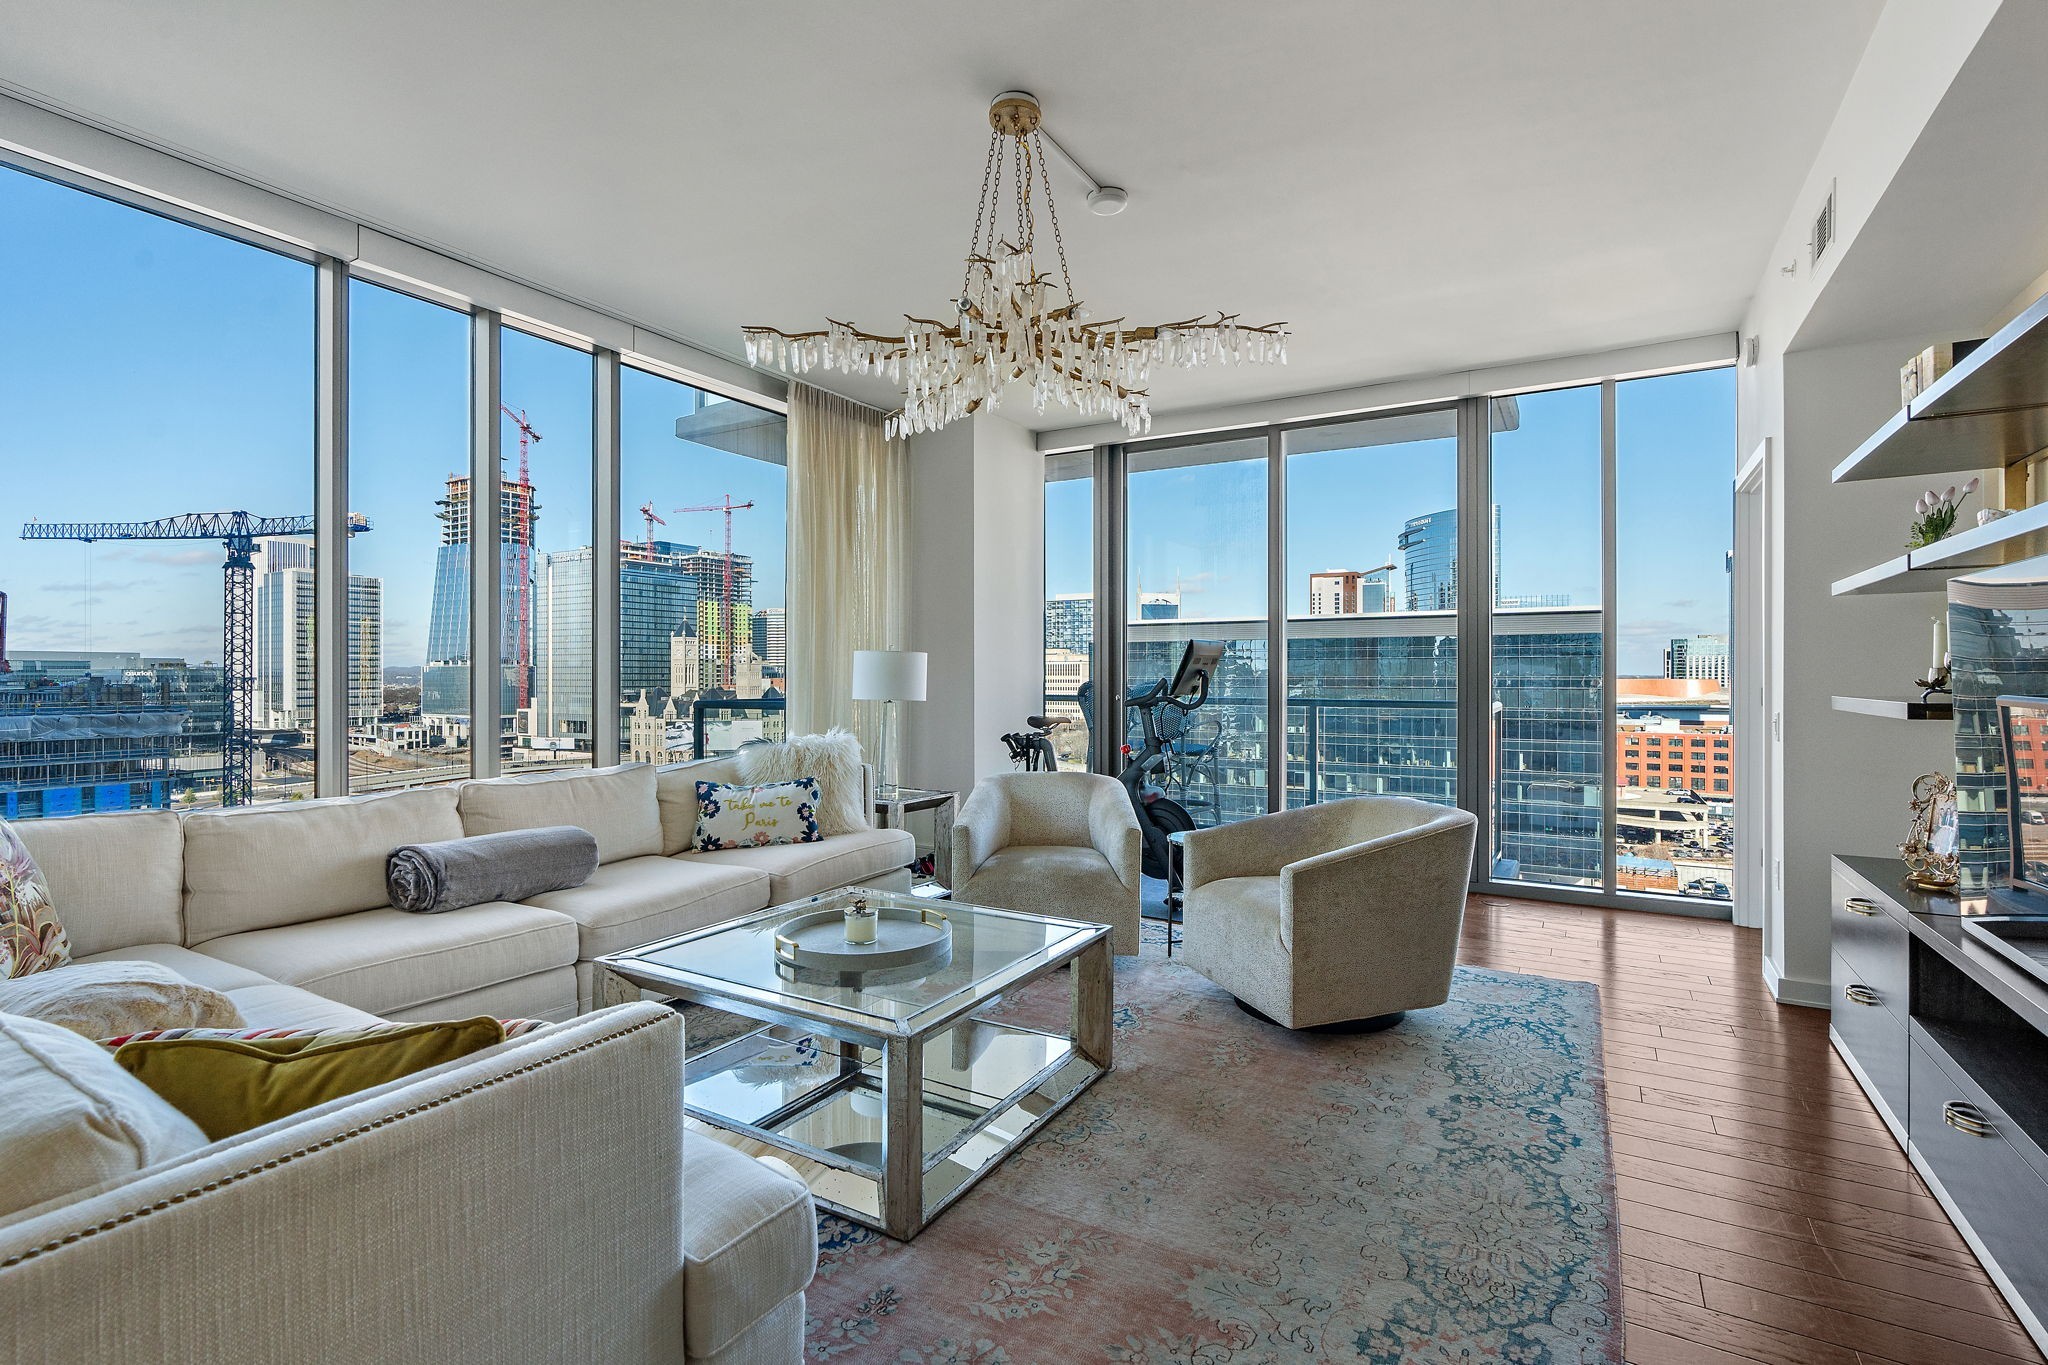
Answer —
1016 323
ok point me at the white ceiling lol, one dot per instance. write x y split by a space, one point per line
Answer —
1416 187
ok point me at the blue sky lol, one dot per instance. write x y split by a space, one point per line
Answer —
149 369
1202 526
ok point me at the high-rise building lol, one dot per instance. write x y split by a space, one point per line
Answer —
1070 622
1697 656
561 647
1429 549
444 686
725 643
1350 592
285 606
771 639
1159 606
656 596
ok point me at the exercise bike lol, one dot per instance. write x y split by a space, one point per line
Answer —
1031 748
1159 816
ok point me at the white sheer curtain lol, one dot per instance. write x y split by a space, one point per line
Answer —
849 509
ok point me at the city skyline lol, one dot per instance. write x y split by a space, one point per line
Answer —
1201 524
202 400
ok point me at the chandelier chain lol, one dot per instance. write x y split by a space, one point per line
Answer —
1052 211
995 143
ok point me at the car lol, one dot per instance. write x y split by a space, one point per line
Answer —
1711 888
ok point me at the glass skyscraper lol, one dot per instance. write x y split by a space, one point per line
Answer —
1429 560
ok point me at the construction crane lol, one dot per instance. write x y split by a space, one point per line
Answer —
5 667
647 512
522 559
728 665
238 533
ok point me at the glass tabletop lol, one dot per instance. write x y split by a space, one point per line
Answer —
987 945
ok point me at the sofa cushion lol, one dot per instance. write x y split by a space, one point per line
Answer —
115 879
31 936
386 960
734 816
832 760
640 900
675 790
108 999
230 1085
799 870
259 867
264 1003
616 805
750 1241
73 1119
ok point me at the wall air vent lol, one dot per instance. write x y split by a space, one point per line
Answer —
1824 226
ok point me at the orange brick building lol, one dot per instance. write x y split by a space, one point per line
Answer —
1663 754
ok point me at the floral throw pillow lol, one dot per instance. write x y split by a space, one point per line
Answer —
730 816
31 939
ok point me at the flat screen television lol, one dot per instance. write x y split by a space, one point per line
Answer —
2023 730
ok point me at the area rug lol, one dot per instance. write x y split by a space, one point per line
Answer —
1234 1194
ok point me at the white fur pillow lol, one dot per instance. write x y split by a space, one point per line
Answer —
833 758
112 999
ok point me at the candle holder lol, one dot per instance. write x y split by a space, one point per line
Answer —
860 921
1938 680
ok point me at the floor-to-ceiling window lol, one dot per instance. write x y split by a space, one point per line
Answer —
151 371
1196 547
1372 610
1674 538
1544 534
703 624
1581 708
409 479
1069 600
550 551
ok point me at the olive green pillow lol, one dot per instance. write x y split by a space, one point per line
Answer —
229 1086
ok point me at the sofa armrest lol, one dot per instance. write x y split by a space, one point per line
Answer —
1113 829
980 827
448 1216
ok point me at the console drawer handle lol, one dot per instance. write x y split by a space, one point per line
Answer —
1967 1118
1861 994
1857 905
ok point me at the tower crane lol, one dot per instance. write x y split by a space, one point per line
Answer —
728 665
238 533
522 558
648 514
5 667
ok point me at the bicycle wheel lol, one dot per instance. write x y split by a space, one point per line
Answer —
1168 817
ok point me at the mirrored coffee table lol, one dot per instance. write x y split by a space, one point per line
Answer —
894 1087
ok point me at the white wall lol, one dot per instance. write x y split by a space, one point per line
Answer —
977 597
1838 782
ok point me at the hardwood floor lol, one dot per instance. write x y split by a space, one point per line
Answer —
1766 1213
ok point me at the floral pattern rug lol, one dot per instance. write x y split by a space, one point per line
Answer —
1234 1194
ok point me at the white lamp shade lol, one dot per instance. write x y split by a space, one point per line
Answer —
888 675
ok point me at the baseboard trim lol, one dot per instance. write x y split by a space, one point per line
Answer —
1794 990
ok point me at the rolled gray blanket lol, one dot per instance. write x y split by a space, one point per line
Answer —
510 866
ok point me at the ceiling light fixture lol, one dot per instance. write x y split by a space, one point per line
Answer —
1014 323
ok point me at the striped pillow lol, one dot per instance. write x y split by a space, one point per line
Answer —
514 1028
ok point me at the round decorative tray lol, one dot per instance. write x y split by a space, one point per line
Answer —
903 938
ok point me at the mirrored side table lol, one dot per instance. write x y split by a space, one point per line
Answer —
933 827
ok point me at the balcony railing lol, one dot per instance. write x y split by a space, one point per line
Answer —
720 725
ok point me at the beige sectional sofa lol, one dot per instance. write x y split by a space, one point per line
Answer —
537 1201
284 908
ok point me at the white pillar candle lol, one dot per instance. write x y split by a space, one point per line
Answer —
860 924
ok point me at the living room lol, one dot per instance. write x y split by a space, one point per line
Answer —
1556 883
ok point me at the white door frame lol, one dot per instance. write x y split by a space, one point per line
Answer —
1748 681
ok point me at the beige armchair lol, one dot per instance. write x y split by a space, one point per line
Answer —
1346 913
1063 844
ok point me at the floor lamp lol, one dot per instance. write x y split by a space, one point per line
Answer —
887 676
